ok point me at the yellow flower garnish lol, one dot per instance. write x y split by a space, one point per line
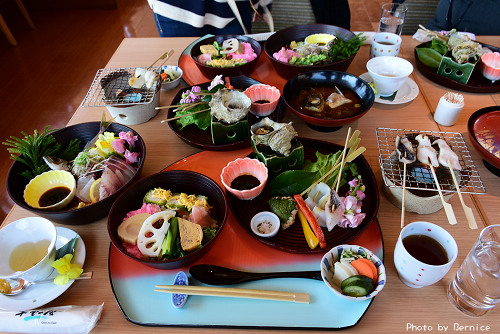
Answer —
66 269
104 143
4 286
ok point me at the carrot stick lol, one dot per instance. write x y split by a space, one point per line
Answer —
227 80
311 219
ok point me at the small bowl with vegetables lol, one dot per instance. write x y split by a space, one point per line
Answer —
310 47
353 272
170 76
168 220
229 55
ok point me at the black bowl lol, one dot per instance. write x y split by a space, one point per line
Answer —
211 72
298 33
177 181
326 78
85 132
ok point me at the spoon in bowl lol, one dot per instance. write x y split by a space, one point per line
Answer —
18 285
216 275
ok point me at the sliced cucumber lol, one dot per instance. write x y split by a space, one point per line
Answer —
357 286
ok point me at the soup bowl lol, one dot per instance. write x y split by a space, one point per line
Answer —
297 33
330 79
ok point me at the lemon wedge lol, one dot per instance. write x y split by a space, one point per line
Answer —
94 190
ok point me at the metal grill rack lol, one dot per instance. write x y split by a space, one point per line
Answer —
110 88
418 176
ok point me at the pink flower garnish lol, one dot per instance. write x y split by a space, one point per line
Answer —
131 157
118 145
129 137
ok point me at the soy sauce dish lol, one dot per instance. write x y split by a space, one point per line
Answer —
265 224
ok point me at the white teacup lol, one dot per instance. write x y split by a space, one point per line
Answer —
388 73
27 249
415 273
385 44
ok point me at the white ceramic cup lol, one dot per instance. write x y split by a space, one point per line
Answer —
388 73
415 273
447 112
30 231
385 44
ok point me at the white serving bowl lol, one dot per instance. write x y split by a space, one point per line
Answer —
388 73
332 256
29 231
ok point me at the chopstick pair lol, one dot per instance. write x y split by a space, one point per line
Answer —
296 297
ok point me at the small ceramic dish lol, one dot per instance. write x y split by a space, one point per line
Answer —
174 74
332 256
490 66
265 224
242 167
264 99
61 183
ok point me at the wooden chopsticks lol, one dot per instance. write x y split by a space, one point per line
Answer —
296 297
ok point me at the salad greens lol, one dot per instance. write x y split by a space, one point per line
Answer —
342 49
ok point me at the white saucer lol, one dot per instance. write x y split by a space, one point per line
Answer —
408 92
41 294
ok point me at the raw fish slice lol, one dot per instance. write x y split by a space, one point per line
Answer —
109 183
425 152
446 153
83 188
200 216
335 100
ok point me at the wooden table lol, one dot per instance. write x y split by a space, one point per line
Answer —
398 308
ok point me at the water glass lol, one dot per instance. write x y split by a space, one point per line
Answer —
392 18
476 287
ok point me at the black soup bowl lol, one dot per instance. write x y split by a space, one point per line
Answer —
282 38
87 214
332 79
210 71
178 181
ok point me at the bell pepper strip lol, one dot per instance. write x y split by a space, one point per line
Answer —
228 83
311 219
311 239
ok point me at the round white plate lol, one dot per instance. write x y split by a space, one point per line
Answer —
41 294
408 92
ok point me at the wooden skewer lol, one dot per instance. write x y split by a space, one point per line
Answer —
342 161
163 56
170 53
468 211
177 117
403 198
296 297
446 206
184 107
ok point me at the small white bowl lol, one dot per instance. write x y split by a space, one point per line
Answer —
46 181
265 224
169 85
332 256
30 231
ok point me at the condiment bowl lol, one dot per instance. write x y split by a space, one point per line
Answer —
264 98
265 224
211 72
333 255
490 66
16 183
282 38
59 181
332 79
34 238
177 181
245 166
177 71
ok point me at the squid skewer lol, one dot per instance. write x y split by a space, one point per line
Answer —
406 155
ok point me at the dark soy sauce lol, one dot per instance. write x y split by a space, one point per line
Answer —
425 249
53 196
245 182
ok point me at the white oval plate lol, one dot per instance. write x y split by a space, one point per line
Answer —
38 295
408 92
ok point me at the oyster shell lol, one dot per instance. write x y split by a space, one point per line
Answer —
229 105
278 136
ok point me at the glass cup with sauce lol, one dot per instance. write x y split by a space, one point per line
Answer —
424 254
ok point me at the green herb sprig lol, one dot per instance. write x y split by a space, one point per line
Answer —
341 49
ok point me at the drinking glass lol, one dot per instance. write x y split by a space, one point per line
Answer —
476 287
392 18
